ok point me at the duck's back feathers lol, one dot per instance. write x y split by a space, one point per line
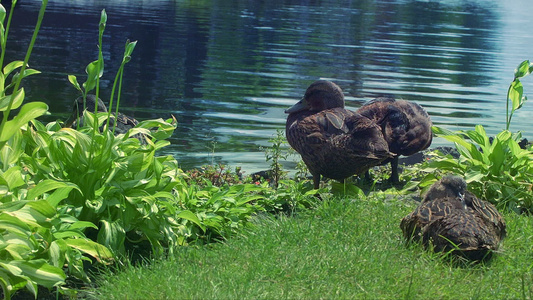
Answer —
451 218
336 143
406 125
123 122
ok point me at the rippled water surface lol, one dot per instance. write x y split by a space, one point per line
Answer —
228 69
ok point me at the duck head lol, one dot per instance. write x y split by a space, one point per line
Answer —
320 95
448 187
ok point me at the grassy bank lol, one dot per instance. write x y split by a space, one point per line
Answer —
342 249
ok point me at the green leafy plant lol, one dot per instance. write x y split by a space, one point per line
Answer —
36 239
497 169
515 93
275 153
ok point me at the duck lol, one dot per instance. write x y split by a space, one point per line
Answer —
333 142
405 125
452 219
123 122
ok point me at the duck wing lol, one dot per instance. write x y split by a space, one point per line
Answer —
464 231
488 212
415 222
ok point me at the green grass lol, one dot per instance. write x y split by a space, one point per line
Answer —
343 249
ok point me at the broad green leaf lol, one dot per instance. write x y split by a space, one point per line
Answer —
17 99
10 67
48 185
94 71
14 225
522 69
2 13
441 131
112 234
515 94
57 251
19 248
41 272
27 72
82 225
28 112
190 216
497 157
11 268
98 251
13 177
59 195
74 81
68 234
36 213
504 135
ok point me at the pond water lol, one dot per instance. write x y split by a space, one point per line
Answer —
228 69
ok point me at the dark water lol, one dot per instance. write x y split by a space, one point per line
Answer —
228 69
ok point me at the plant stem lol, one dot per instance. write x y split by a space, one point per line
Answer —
8 25
26 59
507 117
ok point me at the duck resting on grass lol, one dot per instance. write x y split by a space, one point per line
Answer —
450 218
333 142
405 125
124 122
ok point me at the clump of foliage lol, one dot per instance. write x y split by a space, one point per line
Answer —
37 240
274 154
69 198
217 175
496 169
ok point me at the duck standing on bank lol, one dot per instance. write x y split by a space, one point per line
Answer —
333 142
452 218
405 125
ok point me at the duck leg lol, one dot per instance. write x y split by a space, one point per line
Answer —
316 181
394 177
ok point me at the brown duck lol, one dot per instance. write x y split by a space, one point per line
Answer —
124 122
451 218
405 125
333 142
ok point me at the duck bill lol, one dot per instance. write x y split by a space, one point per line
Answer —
301 105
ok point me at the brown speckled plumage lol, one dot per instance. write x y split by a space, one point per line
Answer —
124 122
333 142
450 215
406 127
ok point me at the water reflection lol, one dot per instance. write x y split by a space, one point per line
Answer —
227 70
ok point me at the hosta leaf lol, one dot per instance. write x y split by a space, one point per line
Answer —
190 216
112 234
522 69
94 71
28 112
59 195
14 225
36 213
48 185
27 72
515 94
13 177
17 99
82 225
41 272
98 251
74 81
12 66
